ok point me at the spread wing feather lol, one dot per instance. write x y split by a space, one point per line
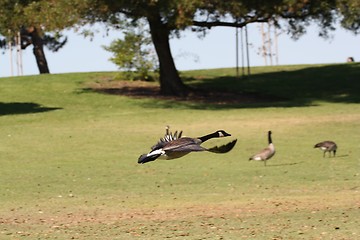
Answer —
169 137
223 148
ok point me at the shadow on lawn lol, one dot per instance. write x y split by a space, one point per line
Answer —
331 83
283 88
22 108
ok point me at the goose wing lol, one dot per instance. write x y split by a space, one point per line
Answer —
169 137
325 144
223 148
184 144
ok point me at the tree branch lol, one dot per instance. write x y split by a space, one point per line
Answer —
229 24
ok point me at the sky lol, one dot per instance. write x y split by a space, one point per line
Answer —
216 50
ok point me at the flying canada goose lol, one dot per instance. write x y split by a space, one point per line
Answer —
266 153
173 146
327 146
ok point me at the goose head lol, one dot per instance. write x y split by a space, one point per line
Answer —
222 133
217 134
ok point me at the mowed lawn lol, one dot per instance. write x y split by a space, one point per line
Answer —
68 158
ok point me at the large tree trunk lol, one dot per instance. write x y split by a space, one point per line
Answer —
170 82
38 50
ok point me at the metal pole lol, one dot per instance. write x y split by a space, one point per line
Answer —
276 46
237 51
263 47
11 57
270 44
242 53
247 50
19 54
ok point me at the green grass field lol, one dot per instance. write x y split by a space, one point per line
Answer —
69 169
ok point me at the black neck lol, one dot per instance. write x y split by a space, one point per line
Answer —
209 136
269 137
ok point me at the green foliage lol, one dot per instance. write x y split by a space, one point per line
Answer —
350 14
134 54
34 21
178 15
50 16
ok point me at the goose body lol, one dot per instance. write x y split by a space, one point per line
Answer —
327 146
173 146
266 153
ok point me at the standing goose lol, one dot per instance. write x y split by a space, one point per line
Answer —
173 146
327 146
266 153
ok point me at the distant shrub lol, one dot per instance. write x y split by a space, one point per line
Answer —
135 55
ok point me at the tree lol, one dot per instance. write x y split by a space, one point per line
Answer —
167 18
33 19
134 54
29 37
32 35
13 21
350 14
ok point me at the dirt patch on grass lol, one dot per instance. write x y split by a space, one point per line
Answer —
142 89
310 218
271 206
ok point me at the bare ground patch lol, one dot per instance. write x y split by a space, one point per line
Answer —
264 206
277 218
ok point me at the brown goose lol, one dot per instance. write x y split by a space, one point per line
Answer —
266 153
173 146
327 146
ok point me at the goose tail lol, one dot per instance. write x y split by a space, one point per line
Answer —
223 148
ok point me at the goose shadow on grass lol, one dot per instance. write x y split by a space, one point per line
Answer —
337 156
284 164
13 108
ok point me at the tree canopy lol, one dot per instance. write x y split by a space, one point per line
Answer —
350 15
32 19
167 18
170 17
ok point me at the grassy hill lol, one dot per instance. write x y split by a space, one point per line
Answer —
69 169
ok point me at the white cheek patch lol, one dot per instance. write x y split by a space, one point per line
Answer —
221 134
156 152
